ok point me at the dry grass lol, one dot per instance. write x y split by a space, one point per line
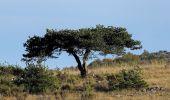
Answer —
154 74
100 70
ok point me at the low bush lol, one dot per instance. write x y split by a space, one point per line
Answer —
38 79
7 75
130 79
7 87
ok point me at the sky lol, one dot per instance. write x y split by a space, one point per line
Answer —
147 20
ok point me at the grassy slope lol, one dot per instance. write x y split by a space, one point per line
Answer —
154 74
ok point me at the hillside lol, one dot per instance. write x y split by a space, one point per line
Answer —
132 59
155 74
95 86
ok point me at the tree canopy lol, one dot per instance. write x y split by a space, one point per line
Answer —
80 42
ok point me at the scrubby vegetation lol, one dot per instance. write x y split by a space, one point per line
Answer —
126 80
38 79
128 76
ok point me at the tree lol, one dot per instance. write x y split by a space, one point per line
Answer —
80 43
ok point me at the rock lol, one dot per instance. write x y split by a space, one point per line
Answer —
154 89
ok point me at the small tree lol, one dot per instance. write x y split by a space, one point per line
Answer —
37 79
80 43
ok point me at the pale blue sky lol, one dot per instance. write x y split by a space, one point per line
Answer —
147 20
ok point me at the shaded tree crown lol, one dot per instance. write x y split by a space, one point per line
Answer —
81 42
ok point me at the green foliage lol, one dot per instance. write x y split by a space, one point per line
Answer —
8 88
7 75
37 79
126 79
88 91
83 43
107 40
10 70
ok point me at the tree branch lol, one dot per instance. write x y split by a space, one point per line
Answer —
85 58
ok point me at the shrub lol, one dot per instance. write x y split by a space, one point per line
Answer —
7 75
10 70
7 87
37 79
126 79
88 92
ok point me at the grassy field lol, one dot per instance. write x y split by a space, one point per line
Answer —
157 75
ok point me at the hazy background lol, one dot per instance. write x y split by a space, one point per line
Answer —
147 20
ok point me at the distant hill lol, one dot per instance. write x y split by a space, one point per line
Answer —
145 57
165 55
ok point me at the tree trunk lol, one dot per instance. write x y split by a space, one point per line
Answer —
85 58
81 69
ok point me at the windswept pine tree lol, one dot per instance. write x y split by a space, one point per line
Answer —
81 43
